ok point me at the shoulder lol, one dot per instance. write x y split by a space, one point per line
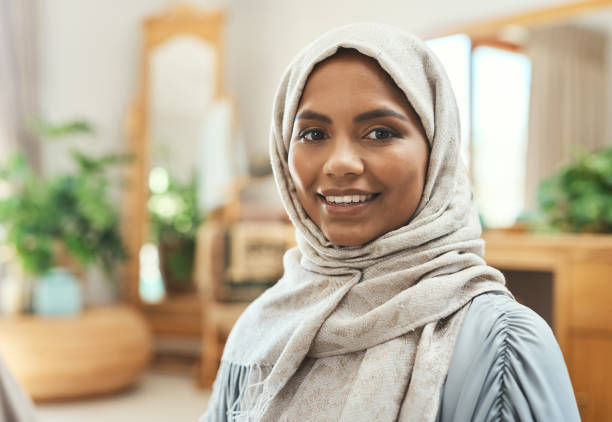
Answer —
506 365
498 327
499 318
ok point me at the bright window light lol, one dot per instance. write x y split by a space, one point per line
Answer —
501 81
454 53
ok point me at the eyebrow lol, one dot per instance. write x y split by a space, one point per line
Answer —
379 112
311 115
368 115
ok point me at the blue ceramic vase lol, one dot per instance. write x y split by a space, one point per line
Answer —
57 293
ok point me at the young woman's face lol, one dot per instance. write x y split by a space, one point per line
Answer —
358 155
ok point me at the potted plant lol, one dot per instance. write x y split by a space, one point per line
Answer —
578 198
66 220
175 218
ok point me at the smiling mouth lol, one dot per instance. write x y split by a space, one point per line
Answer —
347 200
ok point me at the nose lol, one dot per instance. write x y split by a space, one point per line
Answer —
344 158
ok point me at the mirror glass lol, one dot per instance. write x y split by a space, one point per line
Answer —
182 88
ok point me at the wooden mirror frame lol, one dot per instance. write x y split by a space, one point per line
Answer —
207 25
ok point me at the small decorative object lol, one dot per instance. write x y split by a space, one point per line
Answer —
57 293
13 295
578 198
237 262
255 251
13 290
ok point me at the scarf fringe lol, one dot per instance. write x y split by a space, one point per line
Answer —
240 397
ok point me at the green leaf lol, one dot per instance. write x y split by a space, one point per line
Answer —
579 196
57 131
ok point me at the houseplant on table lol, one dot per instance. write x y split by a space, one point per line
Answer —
66 220
578 198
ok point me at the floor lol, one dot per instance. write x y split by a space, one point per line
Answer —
160 396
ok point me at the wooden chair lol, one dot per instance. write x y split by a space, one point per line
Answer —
237 259
218 317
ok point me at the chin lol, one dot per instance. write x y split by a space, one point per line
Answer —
348 239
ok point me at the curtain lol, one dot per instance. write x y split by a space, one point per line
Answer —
568 99
18 78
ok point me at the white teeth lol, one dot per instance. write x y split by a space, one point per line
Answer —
348 199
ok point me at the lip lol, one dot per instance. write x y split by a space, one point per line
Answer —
344 192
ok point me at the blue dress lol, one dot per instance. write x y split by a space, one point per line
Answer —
506 366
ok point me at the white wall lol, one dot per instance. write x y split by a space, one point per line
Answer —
89 67
90 52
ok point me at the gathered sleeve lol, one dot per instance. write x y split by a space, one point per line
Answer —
506 366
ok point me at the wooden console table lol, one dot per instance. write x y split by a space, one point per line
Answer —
567 279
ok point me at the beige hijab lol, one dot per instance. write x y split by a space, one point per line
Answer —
363 333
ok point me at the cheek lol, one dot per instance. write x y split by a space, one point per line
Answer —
407 176
302 168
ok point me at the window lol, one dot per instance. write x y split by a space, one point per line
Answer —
493 107
454 53
500 81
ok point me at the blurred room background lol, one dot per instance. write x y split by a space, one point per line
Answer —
138 215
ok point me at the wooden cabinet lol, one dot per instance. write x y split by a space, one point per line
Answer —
567 279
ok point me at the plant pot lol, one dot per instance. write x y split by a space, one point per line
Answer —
57 293
176 257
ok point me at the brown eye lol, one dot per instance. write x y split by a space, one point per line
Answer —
381 134
312 135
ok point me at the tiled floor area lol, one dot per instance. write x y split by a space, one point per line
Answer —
160 396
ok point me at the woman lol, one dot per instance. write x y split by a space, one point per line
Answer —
386 310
